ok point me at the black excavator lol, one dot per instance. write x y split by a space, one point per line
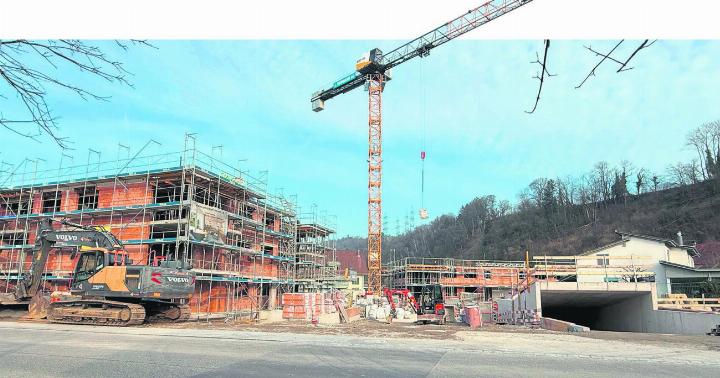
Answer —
106 288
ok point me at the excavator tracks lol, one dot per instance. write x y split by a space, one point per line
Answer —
96 312
169 312
184 313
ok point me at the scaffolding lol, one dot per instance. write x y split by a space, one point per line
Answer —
488 279
241 240
317 268
483 279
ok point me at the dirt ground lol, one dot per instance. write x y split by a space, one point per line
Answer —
363 327
450 331
711 343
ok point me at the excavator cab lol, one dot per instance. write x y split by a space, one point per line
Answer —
92 261
431 305
88 264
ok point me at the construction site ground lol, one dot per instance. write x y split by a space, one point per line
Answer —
363 348
450 331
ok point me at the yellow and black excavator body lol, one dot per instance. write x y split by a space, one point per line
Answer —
106 288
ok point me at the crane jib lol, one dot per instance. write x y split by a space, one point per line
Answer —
473 19
422 45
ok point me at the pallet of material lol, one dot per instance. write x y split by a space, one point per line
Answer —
300 312
306 306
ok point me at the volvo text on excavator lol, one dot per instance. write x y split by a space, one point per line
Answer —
106 288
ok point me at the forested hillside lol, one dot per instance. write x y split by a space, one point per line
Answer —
567 216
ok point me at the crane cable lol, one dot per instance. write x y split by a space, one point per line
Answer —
423 211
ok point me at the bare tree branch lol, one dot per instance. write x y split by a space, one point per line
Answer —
643 45
22 70
623 65
592 72
603 55
541 75
143 42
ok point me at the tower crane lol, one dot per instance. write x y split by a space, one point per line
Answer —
373 71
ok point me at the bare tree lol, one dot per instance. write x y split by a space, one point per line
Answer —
676 173
706 142
623 64
655 182
537 191
640 178
692 171
603 180
28 68
541 75
684 173
627 166
587 196
605 56
646 43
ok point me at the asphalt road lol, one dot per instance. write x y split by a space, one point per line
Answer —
44 350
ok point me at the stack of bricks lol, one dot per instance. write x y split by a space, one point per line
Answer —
306 306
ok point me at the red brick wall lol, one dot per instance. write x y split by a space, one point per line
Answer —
37 203
69 200
499 277
138 193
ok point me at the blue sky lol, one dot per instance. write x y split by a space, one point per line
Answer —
469 99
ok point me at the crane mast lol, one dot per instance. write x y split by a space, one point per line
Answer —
375 87
373 71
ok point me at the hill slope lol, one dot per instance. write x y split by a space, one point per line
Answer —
548 222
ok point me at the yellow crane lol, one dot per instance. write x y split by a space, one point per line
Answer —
373 70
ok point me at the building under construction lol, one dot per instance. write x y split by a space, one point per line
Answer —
316 268
241 241
480 278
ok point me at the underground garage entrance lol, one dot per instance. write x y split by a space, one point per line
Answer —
613 307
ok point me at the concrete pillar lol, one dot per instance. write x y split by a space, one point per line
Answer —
272 297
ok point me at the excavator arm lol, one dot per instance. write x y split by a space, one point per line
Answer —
48 238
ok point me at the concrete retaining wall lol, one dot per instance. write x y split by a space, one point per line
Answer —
629 315
640 314
681 322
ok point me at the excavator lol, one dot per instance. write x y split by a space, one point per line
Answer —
429 307
105 288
